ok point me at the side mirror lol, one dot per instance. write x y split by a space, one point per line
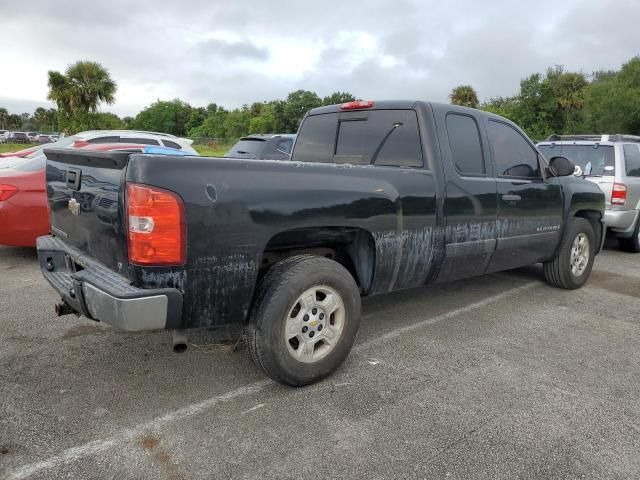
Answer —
561 167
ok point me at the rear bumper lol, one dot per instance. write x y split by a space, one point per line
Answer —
621 221
99 293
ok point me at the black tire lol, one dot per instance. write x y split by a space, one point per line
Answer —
631 244
557 271
283 284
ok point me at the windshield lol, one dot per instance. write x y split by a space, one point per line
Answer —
595 160
25 164
36 160
65 142
246 146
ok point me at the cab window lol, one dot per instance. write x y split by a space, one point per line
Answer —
384 137
464 142
512 154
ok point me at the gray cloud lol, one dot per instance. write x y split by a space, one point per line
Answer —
215 47
238 52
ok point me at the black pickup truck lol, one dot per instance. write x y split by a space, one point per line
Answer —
376 197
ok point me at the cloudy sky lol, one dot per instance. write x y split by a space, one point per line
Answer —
241 51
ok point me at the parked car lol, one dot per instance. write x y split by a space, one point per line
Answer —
33 136
20 153
113 136
266 146
377 197
613 163
3 136
137 137
17 137
23 201
44 139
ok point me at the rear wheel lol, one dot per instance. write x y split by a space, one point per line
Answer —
631 244
572 265
304 320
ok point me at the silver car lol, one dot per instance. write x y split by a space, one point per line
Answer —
613 162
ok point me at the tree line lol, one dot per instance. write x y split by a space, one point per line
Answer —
560 101
557 101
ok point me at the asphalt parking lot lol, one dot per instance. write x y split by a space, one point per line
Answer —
492 377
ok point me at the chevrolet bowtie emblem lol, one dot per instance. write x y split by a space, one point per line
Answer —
74 207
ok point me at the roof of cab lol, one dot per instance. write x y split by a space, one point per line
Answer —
413 105
377 105
401 105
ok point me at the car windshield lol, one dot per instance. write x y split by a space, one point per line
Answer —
25 164
247 146
595 160
65 142
34 161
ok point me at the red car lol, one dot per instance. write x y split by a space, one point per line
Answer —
21 153
24 214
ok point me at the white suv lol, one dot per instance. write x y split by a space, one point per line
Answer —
613 162
135 136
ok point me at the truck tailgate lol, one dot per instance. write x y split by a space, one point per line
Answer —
85 195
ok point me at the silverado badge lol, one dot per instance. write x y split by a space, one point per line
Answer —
74 207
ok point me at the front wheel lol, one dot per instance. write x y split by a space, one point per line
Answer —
572 265
304 320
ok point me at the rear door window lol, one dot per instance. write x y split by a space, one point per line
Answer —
512 154
632 160
464 141
170 144
283 146
316 139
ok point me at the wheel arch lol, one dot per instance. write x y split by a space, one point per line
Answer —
352 247
594 217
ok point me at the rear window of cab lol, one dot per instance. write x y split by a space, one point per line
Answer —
372 137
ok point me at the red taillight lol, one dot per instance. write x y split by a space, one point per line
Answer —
619 194
80 143
7 191
357 105
156 226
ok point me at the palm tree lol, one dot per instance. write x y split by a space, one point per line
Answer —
464 95
81 89
569 90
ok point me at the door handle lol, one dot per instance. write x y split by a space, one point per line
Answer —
511 198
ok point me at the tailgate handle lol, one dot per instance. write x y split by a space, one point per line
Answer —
73 178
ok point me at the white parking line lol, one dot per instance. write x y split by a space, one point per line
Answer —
393 334
76 453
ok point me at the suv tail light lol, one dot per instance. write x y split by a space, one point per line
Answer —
619 194
156 226
357 105
7 191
